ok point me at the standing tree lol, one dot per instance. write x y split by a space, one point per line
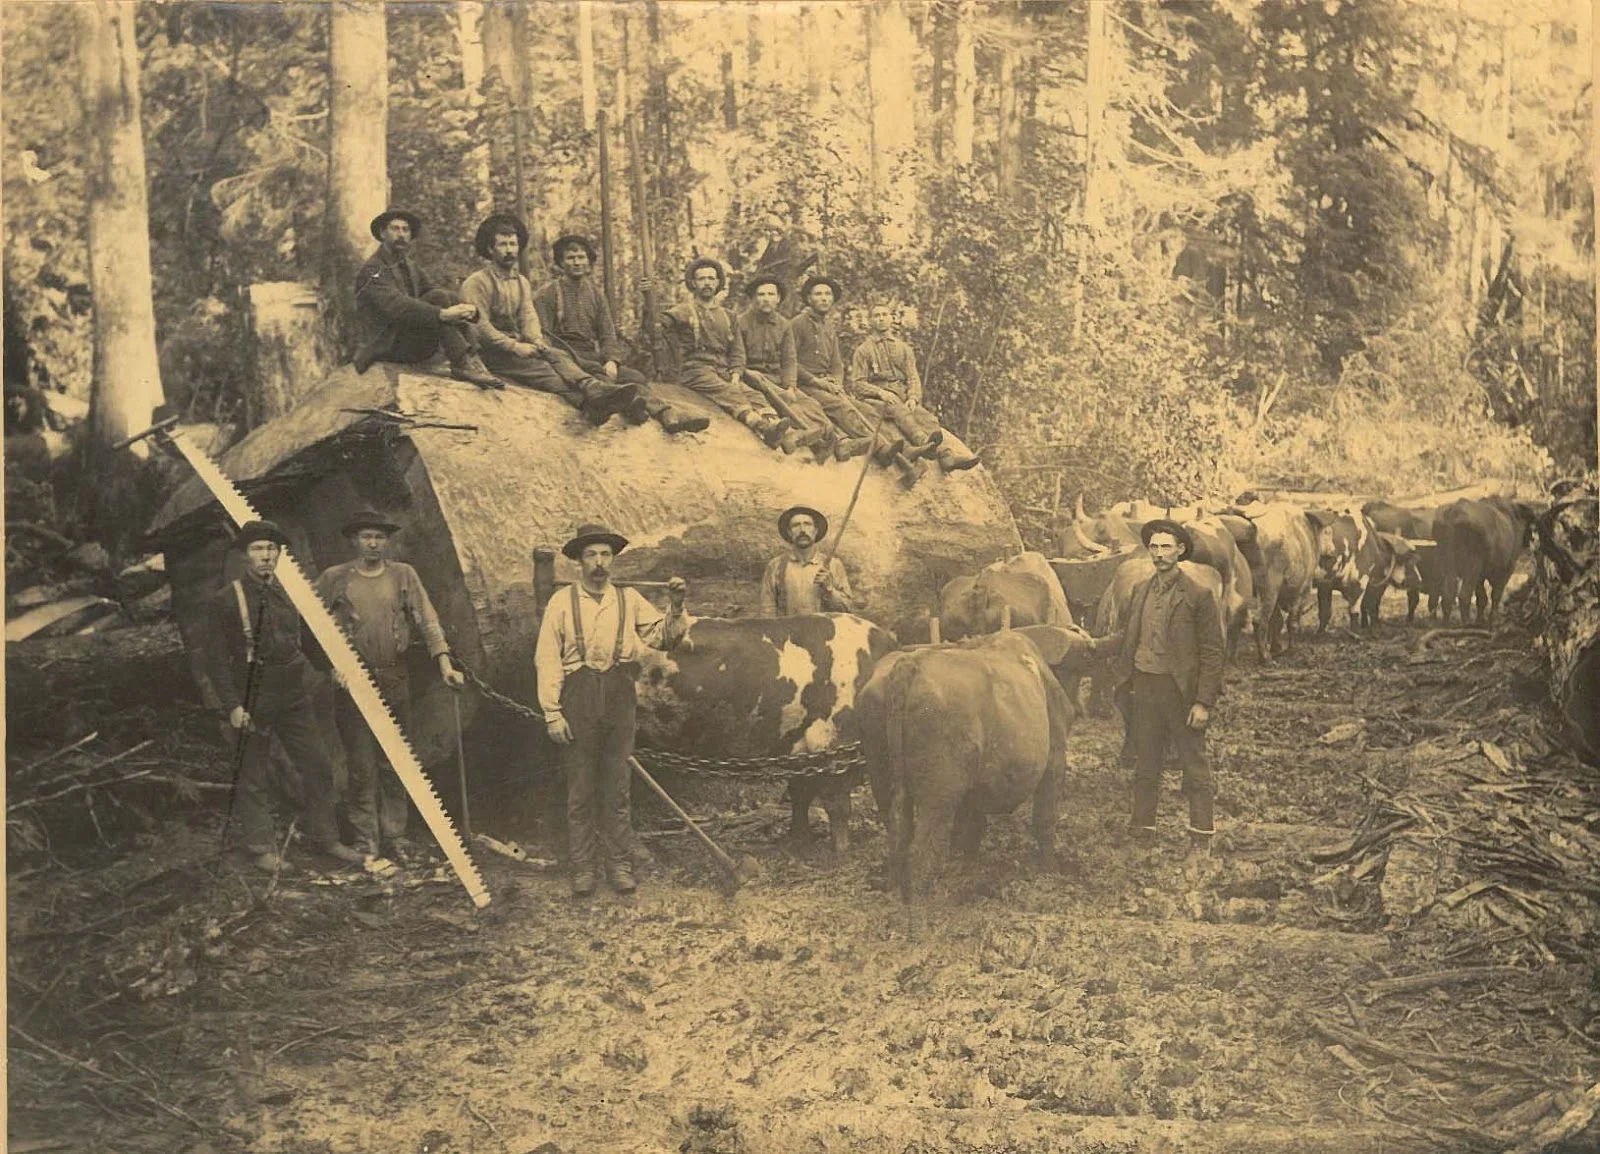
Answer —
127 376
891 56
358 143
965 66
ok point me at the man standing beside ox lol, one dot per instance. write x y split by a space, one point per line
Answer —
1167 667
586 660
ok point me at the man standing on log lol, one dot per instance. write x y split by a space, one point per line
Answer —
255 664
578 321
770 368
586 660
512 337
883 377
819 363
707 354
1167 667
401 317
378 602
796 582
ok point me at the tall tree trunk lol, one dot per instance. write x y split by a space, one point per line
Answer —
965 66
1008 171
358 144
1095 86
591 94
127 375
890 61
814 48
469 33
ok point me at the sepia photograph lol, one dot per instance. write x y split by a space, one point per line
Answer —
778 576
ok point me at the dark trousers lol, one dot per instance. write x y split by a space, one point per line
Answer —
599 708
282 708
1157 715
916 424
375 801
414 344
842 411
590 361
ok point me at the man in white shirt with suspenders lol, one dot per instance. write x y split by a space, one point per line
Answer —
586 661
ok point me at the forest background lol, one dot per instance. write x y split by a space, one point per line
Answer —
1142 248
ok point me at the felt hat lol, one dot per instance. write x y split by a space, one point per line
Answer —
761 279
813 282
382 220
593 535
1162 525
259 531
790 514
705 262
367 519
558 250
493 226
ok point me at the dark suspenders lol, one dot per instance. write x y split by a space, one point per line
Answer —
577 625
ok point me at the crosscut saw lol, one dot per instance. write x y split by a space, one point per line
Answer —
363 691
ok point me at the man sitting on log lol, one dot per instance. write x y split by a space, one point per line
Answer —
883 377
769 368
401 317
707 353
513 340
796 582
819 364
577 320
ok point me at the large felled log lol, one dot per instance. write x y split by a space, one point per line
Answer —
1567 593
477 502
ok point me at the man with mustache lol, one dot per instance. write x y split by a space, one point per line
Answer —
513 339
796 582
577 320
883 376
707 354
770 369
402 317
586 660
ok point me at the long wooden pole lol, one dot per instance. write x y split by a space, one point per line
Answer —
723 860
647 248
844 522
607 245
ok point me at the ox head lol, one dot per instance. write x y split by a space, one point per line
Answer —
1086 535
1401 564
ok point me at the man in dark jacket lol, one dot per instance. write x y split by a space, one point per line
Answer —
769 368
1168 672
402 317
255 664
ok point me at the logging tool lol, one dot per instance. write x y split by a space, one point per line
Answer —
844 522
358 682
461 767
737 873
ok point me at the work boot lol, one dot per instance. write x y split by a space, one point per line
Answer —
676 421
910 471
471 369
928 448
846 447
769 429
622 877
951 463
789 443
626 399
887 449
339 852
582 882
823 449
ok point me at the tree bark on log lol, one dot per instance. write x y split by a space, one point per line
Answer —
1566 579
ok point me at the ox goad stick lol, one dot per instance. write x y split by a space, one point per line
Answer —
358 681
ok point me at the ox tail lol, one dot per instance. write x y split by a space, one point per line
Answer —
897 710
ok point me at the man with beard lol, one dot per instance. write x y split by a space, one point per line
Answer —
262 678
1167 667
819 361
796 582
401 317
513 340
770 367
883 377
707 354
586 659
379 602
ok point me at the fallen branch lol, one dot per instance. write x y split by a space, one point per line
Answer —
62 752
1388 987
79 1064
1570 1124
1420 645
1444 1062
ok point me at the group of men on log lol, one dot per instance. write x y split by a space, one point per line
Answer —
783 379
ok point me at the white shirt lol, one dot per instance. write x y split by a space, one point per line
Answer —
557 655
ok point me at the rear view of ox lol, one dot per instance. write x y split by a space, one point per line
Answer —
1025 585
953 733
1479 542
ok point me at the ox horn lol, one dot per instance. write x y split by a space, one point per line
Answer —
1092 546
1077 508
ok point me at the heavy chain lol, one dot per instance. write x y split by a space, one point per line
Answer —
834 762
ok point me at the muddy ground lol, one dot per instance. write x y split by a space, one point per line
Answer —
161 1001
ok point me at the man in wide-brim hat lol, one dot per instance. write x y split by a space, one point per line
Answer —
402 316
770 368
1167 668
586 660
381 604
707 355
819 374
512 333
262 680
576 318
885 382
796 582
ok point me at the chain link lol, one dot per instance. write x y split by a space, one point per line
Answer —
834 762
